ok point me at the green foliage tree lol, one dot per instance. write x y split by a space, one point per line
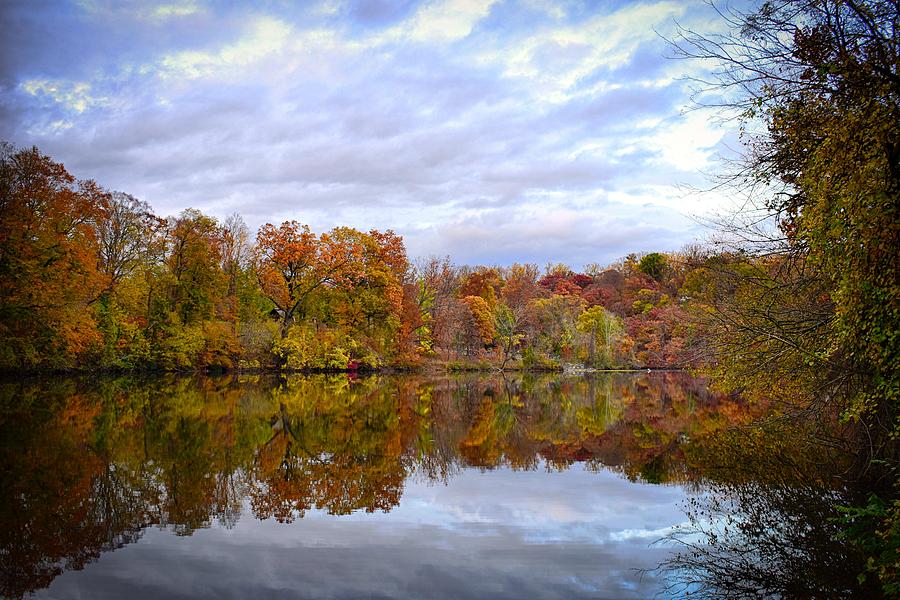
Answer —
557 317
653 264
197 283
603 329
508 332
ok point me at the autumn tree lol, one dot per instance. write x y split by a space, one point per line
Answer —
508 331
131 242
293 262
604 328
817 86
482 282
653 264
442 311
412 339
373 294
194 263
49 258
520 289
823 78
122 237
236 258
478 328
557 317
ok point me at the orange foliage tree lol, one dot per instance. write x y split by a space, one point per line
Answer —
48 260
293 262
481 322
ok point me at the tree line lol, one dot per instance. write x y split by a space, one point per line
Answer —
93 279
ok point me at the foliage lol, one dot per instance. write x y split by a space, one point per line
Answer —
306 348
807 311
603 329
48 261
883 548
653 264
130 290
195 280
482 322
293 263
507 331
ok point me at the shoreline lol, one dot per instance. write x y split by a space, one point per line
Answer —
437 369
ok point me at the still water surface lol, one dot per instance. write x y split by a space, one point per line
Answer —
335 487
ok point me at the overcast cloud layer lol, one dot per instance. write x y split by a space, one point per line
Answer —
491 131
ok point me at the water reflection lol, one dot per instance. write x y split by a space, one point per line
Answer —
89 466
768 524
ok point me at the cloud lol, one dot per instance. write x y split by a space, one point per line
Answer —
71 95
177 9
560 57
593 229
445 20
264 37
492 132
374 13
448 19
689 143
149 11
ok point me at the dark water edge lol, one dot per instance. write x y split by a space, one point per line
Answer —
335 486
433 369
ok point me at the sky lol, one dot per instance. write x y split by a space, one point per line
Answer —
490 131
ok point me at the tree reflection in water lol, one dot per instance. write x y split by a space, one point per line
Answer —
768 523
87 465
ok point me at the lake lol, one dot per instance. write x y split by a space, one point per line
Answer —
475 486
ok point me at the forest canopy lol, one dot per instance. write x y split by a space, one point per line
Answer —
93 279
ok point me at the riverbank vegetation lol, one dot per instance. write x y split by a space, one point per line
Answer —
807 315
92 279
